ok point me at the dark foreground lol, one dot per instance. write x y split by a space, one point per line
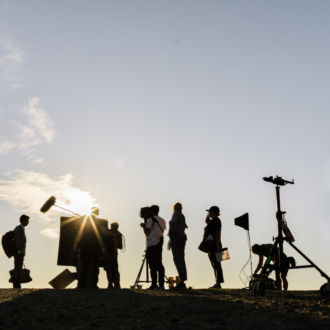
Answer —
193 309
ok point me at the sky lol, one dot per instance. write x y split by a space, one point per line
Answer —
124 104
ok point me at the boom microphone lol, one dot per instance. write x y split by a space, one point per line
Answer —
48 204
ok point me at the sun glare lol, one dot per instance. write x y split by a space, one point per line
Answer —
78 201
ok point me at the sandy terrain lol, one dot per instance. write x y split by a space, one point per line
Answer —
193 309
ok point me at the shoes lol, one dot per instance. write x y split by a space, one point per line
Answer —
153 287
216 286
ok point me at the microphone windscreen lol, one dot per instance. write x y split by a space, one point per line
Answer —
48 204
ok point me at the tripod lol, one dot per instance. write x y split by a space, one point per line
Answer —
277 247
147 280
138 280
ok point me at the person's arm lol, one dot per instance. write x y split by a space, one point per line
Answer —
147 227
259 266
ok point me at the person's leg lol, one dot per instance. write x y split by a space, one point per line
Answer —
152 261
92 271
217 268
108 272
219 272
212 261
277 276
18 265
116 275
160 267
178 258
81 272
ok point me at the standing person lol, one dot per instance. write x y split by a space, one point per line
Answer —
89 252
178 242
20 240
113 242
213 231
154 228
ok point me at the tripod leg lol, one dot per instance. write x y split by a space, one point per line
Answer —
269 259
311 262
140 272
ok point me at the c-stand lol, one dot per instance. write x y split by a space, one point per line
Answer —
277 248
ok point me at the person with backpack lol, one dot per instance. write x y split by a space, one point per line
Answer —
113 240
20 240
154 228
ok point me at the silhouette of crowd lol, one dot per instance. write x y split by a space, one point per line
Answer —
97 246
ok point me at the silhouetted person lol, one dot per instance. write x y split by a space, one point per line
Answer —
178 242
153 229
20 240
213 232
113 240
89 252
263 250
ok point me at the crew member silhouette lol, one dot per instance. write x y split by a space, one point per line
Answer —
263 250
113 240
178 242
20 239
153 229
89 252
213 230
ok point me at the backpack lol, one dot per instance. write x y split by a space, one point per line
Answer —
9 244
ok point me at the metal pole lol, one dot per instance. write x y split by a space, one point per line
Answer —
279 215
311 262
60 207
248 232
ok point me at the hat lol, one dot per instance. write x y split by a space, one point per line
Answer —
214 209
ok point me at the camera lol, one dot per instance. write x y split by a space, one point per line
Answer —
145 214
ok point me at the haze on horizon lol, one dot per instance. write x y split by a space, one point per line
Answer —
127 104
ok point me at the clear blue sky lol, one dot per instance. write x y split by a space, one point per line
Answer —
128 103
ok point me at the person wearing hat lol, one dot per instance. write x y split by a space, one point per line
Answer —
213 233
113 242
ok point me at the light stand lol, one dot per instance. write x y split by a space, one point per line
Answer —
243 222
260 288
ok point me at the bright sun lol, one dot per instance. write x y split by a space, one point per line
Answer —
78 201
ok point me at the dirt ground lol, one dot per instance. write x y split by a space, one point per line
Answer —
130 309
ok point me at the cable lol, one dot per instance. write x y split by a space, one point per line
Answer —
242 271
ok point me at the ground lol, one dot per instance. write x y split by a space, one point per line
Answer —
145 309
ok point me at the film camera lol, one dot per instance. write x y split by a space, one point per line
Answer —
145 214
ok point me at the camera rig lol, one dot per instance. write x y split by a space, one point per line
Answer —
284 235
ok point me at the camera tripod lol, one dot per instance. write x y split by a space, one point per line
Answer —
277 247
138 278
